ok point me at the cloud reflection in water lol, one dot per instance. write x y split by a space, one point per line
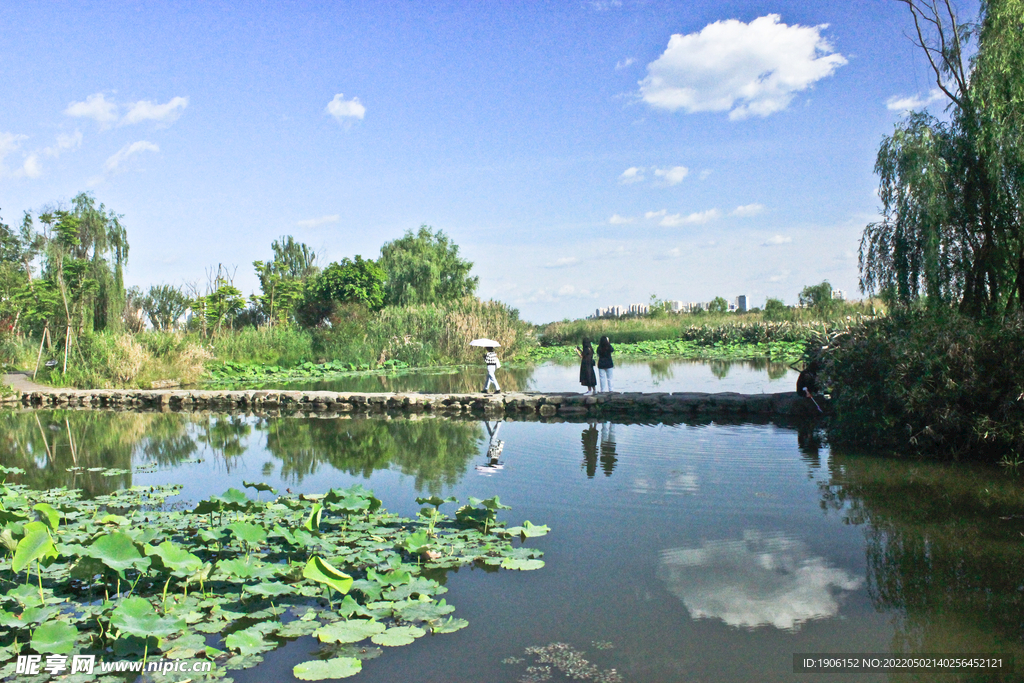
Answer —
764 579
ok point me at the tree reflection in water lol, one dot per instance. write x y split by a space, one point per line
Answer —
436 452
944 549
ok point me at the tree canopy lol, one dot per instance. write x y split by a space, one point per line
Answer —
424 268
952 211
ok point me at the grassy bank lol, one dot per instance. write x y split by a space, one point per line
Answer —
395 337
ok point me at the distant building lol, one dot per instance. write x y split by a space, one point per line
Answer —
740 303
839 294
639 309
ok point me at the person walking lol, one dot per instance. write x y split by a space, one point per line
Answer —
587 376
605 364
491 359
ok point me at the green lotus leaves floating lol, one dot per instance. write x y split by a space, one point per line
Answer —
231 579
339 667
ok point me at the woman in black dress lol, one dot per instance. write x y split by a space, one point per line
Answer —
588 377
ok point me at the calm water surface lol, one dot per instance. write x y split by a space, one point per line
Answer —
698 552
664 374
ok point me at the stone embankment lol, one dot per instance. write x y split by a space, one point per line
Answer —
786 404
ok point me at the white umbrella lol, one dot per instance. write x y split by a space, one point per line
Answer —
484 343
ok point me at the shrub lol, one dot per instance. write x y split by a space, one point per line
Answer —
933 382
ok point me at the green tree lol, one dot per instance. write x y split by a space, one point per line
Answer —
359 281
163 305
951 226
718 305
775 309
818 297
425 268
294 260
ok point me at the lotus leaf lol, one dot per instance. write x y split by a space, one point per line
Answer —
449 625
417 610
320 571
233 499
436 501
246 568
321 670
248 642
117 550
398 635
349 631
313 521
270 589
135 616
417 542
175 559
54 637
47 515
248 532
529 530
36 545
259 486
521 565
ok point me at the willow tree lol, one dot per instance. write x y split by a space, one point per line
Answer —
951 213
425 268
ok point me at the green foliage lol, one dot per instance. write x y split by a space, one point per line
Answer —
818 297
293 260
359 282
934 382
163 305
425 268
718 305
214 577
775 309
952 217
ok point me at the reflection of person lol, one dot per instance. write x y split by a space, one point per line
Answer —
807 381
608 455
604 363
590 450
491 359
809 444
587 376
494 448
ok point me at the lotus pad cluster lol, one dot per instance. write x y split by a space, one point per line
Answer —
127 577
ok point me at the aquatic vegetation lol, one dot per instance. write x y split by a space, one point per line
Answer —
233 578
779 350
563 658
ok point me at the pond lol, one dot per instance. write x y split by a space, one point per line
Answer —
663 374
677 552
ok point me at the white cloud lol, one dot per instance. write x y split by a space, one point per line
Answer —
748 70
776 241
95 107
9 143
317 222
544 295
699 218
616 219
631 175
672 176
32 168
116 162
563 262
897 103
655 214
65 141
625 63
674 252
165 114
747 210
761 580
605 5
342 109
781 276
705 173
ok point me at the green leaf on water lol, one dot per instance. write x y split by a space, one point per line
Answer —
36 545
248 532
270 589
47 515
321 670
349 631
248 641
117 550
398 635
529 530
246 568
416 610
175 559
135 616
320 571
313 521
521 565
54 637
449 625
259 486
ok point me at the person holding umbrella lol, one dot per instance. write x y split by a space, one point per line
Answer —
491 360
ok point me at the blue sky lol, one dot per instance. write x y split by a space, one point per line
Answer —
582 154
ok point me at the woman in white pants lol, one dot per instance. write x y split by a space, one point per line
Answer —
605 364
491 358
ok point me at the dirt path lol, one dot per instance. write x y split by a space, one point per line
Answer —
22 381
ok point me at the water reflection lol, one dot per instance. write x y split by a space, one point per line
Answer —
589 439
495 446
762 580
